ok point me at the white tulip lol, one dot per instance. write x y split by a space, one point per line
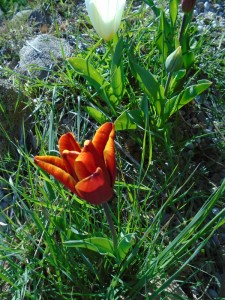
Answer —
105 16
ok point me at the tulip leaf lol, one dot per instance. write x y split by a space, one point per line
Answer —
188 59
96 114
100 245
125 244
173 11
164 38
148 83
175 103
117 80
84 68
130 119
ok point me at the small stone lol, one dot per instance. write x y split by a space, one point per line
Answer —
206 6
215 210
200 28
201 117
195 12
212 293
190 146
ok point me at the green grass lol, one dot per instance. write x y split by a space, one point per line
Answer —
164 194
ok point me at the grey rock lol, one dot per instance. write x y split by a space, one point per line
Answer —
40 54
21 15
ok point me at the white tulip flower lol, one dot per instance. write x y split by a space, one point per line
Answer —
105 16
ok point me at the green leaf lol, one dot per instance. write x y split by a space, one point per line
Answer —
130 119
188 59
164 38
100 245
179 75
117 75
175 103
96 114
86 69
148 83
125 244
95 79
173 11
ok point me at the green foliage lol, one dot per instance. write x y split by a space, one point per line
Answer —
7 6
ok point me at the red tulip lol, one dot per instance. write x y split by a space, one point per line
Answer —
187 5
89 172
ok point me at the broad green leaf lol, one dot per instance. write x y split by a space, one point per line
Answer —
179 75
96 114
125 244
188 59
148 83
176 81
175 103
130 119
194 90
173 11
86 69
95 79
100 245
117 76
164 38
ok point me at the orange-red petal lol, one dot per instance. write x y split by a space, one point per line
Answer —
109 156
68 142
88 161
95 189
69 158
101 137
55 167
51 160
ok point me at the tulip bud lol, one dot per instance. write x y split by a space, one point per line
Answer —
105 16
187 5
174 61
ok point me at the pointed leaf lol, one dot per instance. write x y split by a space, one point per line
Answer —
130 119
100 245
164 38
148 83
86 69
96 114
125 244
175 103
117 76
173 11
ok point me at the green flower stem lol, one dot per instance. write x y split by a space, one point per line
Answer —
183 27
111 226
167 83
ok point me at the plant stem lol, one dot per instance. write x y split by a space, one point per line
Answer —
182 29
111 225
167 83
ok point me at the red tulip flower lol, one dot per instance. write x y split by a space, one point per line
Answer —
88 172
187 5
